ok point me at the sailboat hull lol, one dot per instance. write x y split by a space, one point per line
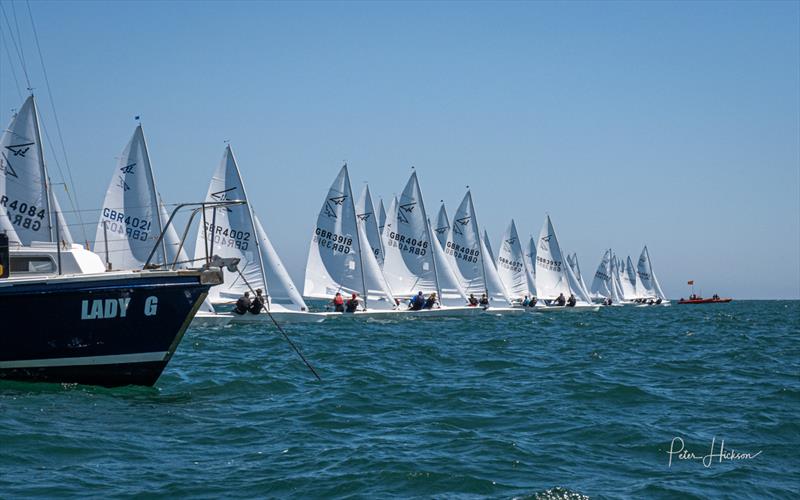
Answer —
108 330
576 308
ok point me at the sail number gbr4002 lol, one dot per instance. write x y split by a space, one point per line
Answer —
227 237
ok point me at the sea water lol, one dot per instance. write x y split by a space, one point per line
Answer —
557 405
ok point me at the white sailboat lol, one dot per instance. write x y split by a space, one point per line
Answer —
647 278
614 285
554 276
29 210
412 263
381 224
466 254
512 266
236 232
530 263
337 262
601 284
365 212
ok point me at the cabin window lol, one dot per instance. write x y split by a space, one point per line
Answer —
32 264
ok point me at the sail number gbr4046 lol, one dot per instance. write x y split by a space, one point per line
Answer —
408 245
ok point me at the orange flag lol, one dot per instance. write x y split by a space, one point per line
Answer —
690 282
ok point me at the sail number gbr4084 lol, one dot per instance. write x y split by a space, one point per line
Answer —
27 216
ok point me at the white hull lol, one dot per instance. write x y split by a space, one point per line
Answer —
575 308
281 316
405 313
505 311
209 319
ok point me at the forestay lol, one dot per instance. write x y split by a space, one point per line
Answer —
336 262
130 218
409 266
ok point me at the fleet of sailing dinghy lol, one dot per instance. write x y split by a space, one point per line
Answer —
414 261
236 232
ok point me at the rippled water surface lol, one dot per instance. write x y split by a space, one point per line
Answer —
559 405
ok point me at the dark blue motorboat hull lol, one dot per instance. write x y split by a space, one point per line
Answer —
107 332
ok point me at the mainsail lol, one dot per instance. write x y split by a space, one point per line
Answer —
488 245
409 265
442 228
463 249
130 220
175 251
530 263
601 284
336 260
365 212
511 266
282 290
628 280
494 285
551 275
576 268
381 224
28 208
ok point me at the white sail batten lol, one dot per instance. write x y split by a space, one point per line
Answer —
131 213
229 233
442 228
551 275
409 266
511 265
365 212
336 261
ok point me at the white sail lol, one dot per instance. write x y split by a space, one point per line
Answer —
463 249
644 270
551 275
601 284
131 212
336 261
175 252
511 265
488 244
442 228
381 224
365 212
451 293
615 288
530 264
64 235
628 281
576 268
282 291
659 292
575 286
409 266
229 233
24 202
494 285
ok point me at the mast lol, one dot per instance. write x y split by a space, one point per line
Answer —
358 235
155 195
43 168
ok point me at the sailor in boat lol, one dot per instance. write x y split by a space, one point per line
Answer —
258 303
484 302
572 300
430 302
472 300
658 301
560 300
243 304
417 302
338 303
351 305
526 301
533 302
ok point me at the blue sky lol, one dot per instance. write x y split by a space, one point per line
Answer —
671 124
